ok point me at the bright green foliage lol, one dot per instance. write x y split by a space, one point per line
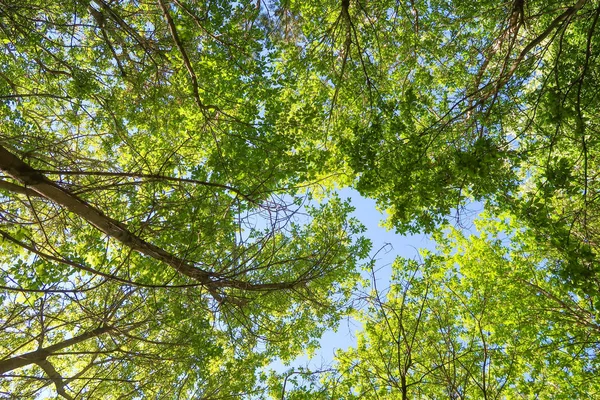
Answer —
428 105
151 149
183 154
431 103
482 317
143 334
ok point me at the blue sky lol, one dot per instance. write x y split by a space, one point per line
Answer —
387 245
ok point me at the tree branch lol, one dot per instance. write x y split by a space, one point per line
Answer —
11 187
186 60
31 178
41 354
55 377
154 177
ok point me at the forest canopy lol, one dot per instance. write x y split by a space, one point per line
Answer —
169 213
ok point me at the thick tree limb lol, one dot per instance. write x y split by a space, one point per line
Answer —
63 260
11 187
41 354
36 181
55 377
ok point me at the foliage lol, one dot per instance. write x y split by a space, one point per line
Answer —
167 193
434 103
482 317
143 157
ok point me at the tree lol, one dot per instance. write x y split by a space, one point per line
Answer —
133 165
430 104
482 317
96 343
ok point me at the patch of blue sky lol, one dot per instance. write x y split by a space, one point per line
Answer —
387 246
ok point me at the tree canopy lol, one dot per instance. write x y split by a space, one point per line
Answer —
481 318
168 212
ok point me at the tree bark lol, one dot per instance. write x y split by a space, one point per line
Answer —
40 355
34 180
37 182
55 377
